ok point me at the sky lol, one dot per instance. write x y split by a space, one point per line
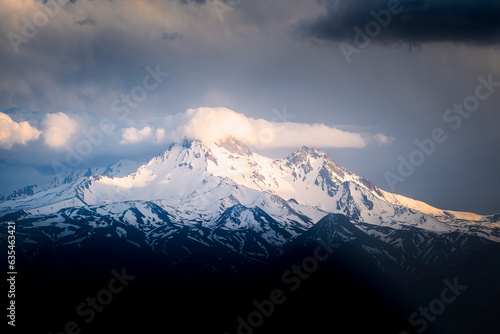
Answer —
405 93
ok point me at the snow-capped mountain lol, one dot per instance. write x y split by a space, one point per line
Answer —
223 198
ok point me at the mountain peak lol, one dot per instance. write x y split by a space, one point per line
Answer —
312 151
304 153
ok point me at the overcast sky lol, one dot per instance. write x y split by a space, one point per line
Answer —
404 93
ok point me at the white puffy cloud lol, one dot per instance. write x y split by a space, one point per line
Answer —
58 129
12 132
132 135
212 124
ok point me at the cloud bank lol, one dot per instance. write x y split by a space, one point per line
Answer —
61 131
214 124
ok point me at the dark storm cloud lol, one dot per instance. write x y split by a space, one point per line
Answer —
88 21
417 21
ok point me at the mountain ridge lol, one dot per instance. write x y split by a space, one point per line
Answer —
226 169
